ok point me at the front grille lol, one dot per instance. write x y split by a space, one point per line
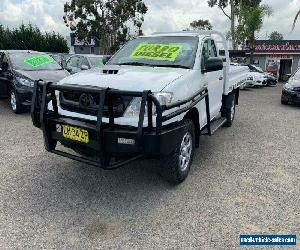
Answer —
88 104
110 71
297 89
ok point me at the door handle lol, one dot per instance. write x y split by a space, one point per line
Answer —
221 78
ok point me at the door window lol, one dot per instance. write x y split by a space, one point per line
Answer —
74 62
209 50
83 61
1 58
4 65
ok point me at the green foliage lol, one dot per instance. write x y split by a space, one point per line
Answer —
250 22
31 38
201 25
224 3
295 20
276 36
108 22
234 16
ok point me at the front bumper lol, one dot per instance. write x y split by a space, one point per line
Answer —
260 83
290 96
120 140
25 95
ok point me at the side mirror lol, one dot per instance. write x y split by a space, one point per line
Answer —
68 69
106 59
213 64
84 67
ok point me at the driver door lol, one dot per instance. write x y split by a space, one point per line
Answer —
214 79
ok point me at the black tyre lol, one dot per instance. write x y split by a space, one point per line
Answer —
15 103
176 166
283 102
230 113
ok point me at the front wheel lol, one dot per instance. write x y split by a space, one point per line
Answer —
15 103
284 102
175 167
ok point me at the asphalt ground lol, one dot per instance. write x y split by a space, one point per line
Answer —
244 180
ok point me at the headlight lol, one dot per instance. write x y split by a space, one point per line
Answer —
288 87
25 81
250 78
133 110
164 98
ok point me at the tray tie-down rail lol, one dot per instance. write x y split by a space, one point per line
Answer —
43 118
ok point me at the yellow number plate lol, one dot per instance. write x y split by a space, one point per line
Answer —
75 134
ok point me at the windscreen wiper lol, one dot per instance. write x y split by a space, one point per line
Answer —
135 64
172 66
154 65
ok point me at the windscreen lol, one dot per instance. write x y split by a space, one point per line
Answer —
158 51
297 74
33 61
96 61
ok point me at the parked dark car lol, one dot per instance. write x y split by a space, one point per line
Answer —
291 90
18 71
78 63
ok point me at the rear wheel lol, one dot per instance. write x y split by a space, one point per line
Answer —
230 113
15 103
175 167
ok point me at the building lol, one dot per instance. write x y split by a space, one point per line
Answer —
79 47
279 57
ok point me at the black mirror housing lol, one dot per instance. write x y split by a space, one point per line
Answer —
68 69
213 64
288 76
106 59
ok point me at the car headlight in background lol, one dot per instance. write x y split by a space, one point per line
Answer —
25 81
250 78
133 110
288 87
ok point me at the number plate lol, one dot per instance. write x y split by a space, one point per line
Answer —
75 134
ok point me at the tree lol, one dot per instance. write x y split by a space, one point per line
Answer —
201 25
234 7
250 22
107 22
276 36
295 20
222 4
31 38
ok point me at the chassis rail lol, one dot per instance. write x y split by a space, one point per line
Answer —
45 119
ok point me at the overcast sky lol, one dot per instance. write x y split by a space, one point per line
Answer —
163 15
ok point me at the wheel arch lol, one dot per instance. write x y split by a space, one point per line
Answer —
193 115
227 99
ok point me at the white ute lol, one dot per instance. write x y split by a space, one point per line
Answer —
153 98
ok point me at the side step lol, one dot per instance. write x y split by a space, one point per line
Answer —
215 125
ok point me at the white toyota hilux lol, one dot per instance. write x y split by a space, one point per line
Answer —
154 98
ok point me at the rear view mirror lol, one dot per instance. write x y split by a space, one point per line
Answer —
213 64
84 67
106 59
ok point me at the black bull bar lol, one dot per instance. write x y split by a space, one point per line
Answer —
106 137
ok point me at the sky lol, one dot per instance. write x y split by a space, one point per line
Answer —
163 15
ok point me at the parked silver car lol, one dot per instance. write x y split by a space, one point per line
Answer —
77 63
